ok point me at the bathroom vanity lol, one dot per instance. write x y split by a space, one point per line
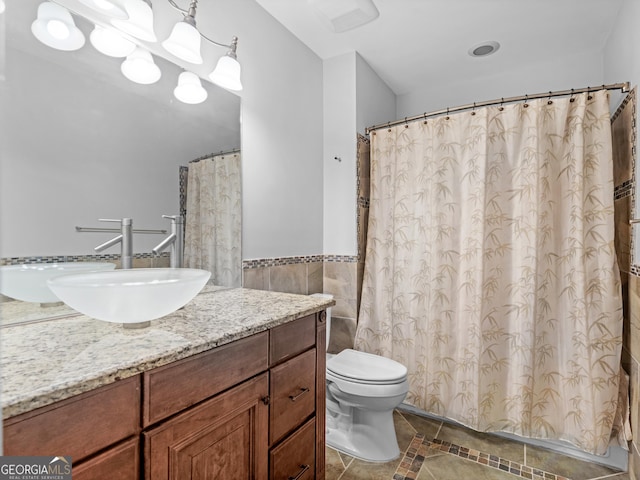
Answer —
230 386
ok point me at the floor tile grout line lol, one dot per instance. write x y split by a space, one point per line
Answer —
473 455
611 475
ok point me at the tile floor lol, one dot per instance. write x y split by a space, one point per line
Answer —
433 450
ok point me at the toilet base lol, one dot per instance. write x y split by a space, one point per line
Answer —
377 444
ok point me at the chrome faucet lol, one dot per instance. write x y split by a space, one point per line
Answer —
125 239
175 239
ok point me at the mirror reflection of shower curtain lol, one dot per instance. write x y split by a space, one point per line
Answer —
490 267
213 221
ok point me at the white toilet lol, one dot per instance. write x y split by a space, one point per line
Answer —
362 391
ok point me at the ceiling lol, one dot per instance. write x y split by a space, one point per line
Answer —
414 43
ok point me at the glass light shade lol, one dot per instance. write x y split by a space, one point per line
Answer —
189 89
139 67
110 42
140 22
107 7
227 74
2 6
184 43
55 28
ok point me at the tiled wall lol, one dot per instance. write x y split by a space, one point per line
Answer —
624 141
313 274
140 260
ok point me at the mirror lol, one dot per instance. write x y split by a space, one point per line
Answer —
80 142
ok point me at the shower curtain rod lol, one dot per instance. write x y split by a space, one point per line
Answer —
215 154
560 93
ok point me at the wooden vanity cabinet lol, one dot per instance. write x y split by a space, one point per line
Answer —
262 427
98 429
250 409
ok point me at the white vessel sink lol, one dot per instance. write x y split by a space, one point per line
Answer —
29 282
130 296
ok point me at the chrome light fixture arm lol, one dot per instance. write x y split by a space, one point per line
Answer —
190 18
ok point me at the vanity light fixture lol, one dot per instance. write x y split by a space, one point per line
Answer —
190 89
55 28
140 21
185 41
227 71
110 42
111 8
139 67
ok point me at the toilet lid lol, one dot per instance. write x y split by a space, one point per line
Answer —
362 366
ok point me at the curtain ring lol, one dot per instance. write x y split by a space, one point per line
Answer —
389 126
589 96
549 101
447 117
501 108
526 99
473 111
572 99
406 125
425 118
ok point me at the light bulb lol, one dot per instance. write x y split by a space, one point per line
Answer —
189 89
55 28
107 7
109 41
184 43
227 73
58 29
2 6
139 67
140 22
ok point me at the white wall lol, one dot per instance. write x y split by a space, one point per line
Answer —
577 71
354 98
281 137
340 141
621 64
375 101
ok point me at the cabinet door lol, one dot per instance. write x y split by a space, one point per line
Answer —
117 463
225 437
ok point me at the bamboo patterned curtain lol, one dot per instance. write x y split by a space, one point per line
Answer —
490 267
213 224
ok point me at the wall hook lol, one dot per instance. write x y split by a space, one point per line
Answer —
337 158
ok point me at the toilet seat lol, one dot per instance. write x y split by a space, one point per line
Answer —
361 367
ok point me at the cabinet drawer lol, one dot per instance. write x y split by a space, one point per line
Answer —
121 462
78 426
293 394
174 387
295 457
292 338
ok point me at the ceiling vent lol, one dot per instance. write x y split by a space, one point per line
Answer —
342 15
484 49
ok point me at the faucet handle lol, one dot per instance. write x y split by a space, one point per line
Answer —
174 218
123 221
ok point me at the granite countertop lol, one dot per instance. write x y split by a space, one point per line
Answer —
45 361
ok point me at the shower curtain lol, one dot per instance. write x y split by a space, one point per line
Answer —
490 267
213 223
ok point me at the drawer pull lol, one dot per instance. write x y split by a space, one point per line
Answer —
301 473
266 400
293 398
